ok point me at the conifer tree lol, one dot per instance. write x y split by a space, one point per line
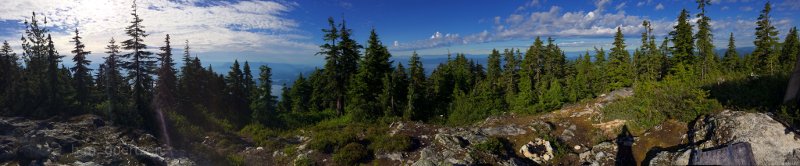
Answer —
237 97
731 58
263 104
82 78
10 80
335 87
416 92
790 50
529 75
619 68
301 94
705 46
509 75
765 53
165 94
140 66
683 41
494 71
249 82
115 86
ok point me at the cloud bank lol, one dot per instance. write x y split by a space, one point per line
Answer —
257 26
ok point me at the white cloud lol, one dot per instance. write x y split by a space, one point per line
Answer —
640 4
620 6
258 26
659 6
746 8
551 23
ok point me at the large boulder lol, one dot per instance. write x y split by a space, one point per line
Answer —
772 143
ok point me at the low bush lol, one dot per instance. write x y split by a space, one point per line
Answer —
351 154
493 145
387 144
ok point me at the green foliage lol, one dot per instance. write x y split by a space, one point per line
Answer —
765 53
234 159
351 154
493 145
384 143
619 67
654 102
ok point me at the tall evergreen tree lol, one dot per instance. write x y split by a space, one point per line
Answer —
705 46
238 110
790 50
115 87
766 40
731 58
619 69
165 95
416 86
249 82
366 85
263 104
301 94
140 66
10 80
82 78
335 88
683 41
529 75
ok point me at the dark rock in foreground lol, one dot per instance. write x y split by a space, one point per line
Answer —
81 140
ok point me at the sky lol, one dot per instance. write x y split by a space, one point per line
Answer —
287 31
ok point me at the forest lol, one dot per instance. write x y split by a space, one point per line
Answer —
678 77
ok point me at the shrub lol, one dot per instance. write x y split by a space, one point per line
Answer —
653 102
395 143
235 160
492 145
351 154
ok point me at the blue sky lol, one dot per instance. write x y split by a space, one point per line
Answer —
289 31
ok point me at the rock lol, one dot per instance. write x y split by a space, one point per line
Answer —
771 142
538 150
513 161
85 154
6 128
601 154
31 152
568 133
450 141
503 131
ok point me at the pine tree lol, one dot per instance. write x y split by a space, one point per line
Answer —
416 84
165 91
766 40
731 58
263 104
529 76
140 66
348 62
705 46
301 94
335 88
249 82
165 94
393 97
494 71
238 110
115 87
599 79
619 68
509 75
285 105
790 50
367 83
683 41
10 80
82 78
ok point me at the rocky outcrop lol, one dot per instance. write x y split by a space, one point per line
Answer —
81 140
539 151
772 143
